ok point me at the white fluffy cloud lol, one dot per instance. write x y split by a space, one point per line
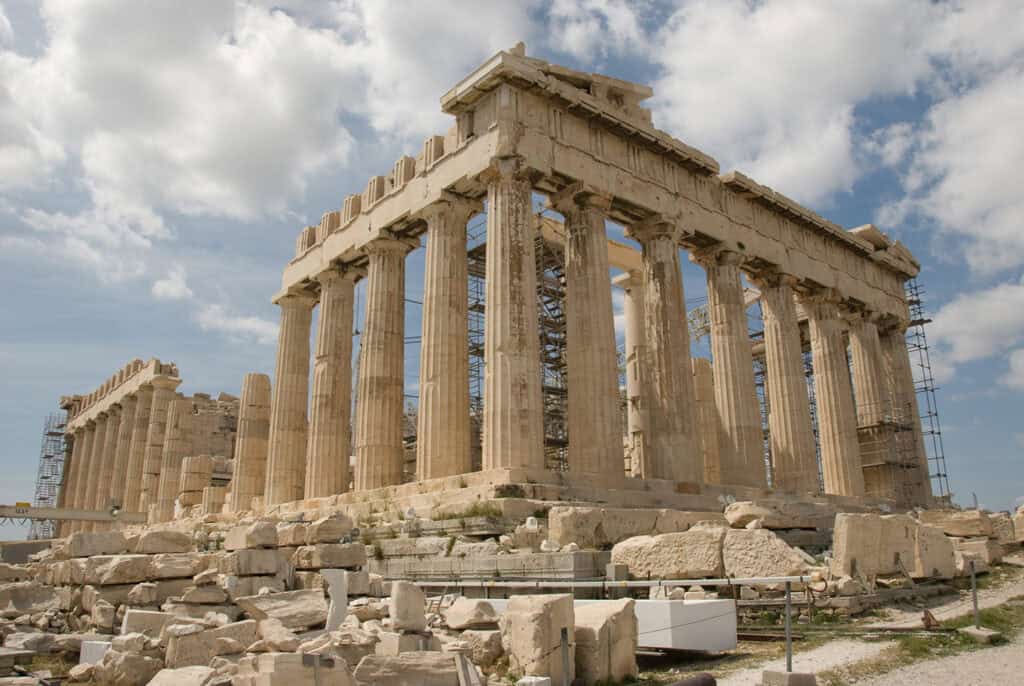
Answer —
174 286
219 319
590 29
1015 377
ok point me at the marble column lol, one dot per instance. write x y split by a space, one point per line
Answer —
709 426
286 452
72 470
636 364
837 420
126 428
883 477
379 445
794 457
94 486
741 444
177 446
513 424
443 429
906 410
673 451
79 498
594 415
250 463
330 423
163 394
137 449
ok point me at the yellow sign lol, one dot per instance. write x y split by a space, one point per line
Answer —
22 505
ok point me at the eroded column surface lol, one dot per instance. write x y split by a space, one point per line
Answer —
636 363
594 416
80 498
286 453
177 445
71 473
330 422
673 452
794 457
905 406
379 446
513 428
443 428
163 393
102 447
837 421
869 377
250 464
709 427
741 444
137 450
126 426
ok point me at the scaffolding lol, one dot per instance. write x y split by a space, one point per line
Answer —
49 475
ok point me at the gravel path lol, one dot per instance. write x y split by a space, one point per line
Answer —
829 656
988 667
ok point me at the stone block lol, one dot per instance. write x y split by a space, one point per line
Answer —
183 676
759 552
291 533
467 613
606 642
249 562
963 523
358 582
984 550
353 644
328 530
933 554
332 555
1018 525
531 633
534 681
208 594
485 646
90 544
407 607
145 622
1002 528
105 570
980 635
780 514
151 542
92 652
177 565
192 645
277 636
292 669
395 643
787 679
241 586
295 609
691 554
305 579
407 669
117 668
248 536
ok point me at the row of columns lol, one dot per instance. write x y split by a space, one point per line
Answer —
109 455
672 399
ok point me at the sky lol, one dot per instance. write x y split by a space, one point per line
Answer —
158 159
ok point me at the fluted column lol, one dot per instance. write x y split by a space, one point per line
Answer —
794 458
837 421
286 454
94 478
379 446
119 472
900 376
177 446
137 449
80 498
72 469
250 463
741 445
636 364
443 429
330 422
869 378
709 426
513 427
163 394
594 421
673 452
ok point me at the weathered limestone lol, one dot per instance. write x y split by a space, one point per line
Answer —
137 449
794 457
636 365
513 433
837 423
163 393
286 452
443 429
592 527
93 477
741 445
379 405
122 447
692 554
83 457
869 544
882 478
407 607
904 402
606 641
532 631
177 445
708 424
933 554
250 463
416 667
595 433
467 613
672 449
294 609
962 523
330 433
759 552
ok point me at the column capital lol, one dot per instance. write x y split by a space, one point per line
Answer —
820 303
339 272
577 196
165 382
628 280
770 277
657 226
299 300
717 255
460 207
509 168
387 244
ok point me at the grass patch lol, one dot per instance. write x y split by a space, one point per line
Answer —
481 508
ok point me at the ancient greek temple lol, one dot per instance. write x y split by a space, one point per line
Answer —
525 127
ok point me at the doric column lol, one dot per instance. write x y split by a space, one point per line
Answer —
900 377
163 393
869 378
709 427
636 364
741 444
513 427
94 479
379 446
672 448
122 450
72 470
137 449
443 430
177 446
286 454
250 464
330 423
837 422
594 421
79 498
794 458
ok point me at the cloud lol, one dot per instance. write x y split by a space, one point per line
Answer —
1015 376
6 32
587 29
174 286
217 318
